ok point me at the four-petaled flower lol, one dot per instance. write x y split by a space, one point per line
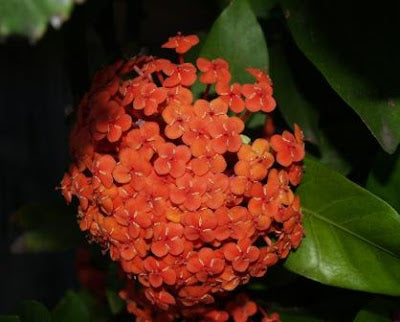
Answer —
226 134
206 263
232 95
172 159
159 272
241 254
289 148
110 122
259 97
183 74
215 71
181 43
167 239
149 98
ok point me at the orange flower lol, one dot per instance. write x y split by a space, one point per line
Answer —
232 95
217 185
242 308
255 160
180 43
259 75
167 186
196 135
225 134
206 263
131 166
232 223
259 97
210 110
167 239
188 191
179 95
161 298
216 71
110 122
159 272
200 225
145 139
206 160
176 117
241 254
149 98
172 159
183 74
288 147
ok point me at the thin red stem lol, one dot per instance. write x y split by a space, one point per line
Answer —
206 91
160 77
181 59
245 116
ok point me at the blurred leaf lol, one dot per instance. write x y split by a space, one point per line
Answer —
9 318
294 107
115 303
355 52
237 37
33 311
331 156
48 227
262 8
29 18
352 237
256 121
293 316
71 308
384 178
379 310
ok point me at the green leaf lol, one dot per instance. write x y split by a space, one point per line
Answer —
355 52
33 311
236 36
292 316
29 18
9 318
384 178
297 108
48 227
115 303
352 237
71 308
262 8
294 107
379 310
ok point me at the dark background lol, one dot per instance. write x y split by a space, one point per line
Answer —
39 86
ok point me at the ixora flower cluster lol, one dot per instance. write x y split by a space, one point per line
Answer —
167 185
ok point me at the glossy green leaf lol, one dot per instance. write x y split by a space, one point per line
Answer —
379 310
296 108
352 237
237 37
355 52
71 308
384 179
30 17
261 8
33 311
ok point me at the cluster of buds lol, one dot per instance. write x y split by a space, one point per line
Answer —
167 184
